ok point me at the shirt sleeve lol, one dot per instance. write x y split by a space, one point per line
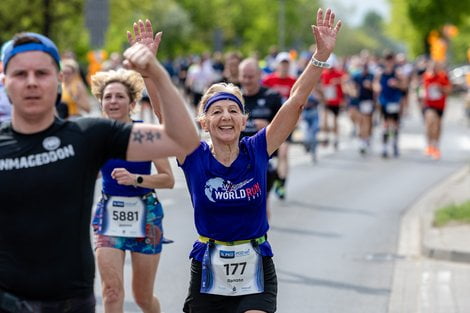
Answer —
192 156
109 138
258 145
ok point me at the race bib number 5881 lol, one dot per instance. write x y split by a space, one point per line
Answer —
124 217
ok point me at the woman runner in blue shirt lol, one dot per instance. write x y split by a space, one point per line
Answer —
126 182
232 269
129 215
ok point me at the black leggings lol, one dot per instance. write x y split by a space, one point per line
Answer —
74 305
197 302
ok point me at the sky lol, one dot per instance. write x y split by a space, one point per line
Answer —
353 11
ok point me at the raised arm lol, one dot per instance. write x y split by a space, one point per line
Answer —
143 34
286 118
178 135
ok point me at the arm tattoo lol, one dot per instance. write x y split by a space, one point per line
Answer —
150 136
137 136
147 136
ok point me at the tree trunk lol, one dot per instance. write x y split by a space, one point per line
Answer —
47 20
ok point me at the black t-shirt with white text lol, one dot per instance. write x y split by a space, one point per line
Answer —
47 183
263 105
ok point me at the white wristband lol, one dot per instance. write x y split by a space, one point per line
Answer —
317 63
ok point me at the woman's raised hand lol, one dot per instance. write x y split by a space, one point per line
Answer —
143 34
325 33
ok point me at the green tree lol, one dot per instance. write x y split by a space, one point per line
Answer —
413 20
55 18
250 25
460 45
194 26
427 15
373 27
166 15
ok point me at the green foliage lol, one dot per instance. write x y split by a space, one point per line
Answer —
249 25
427 15
351 41
55 18
412 20
368 36
195 26
455 213
401 28
461 43
373 28
62 21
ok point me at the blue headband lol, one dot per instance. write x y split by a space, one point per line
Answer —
45 45
223 96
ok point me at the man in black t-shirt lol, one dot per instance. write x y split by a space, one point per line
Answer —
261 104
48 169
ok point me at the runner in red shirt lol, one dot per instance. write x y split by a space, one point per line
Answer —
281 82
436 88
333 98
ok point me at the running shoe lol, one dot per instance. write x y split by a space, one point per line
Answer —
314 157
436 153
396 151
166 240
279 189
428 151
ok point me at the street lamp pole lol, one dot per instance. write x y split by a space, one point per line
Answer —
282 24
96 20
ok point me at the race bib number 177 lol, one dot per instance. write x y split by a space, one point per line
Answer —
232 270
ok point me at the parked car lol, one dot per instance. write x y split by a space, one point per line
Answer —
459 77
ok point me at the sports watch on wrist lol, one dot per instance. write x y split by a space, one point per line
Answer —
139 179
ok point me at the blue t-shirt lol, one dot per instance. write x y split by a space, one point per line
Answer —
111 186
388 94
229 202
364 93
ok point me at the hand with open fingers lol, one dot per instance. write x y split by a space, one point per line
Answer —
123 177
325 32
143 34
139 58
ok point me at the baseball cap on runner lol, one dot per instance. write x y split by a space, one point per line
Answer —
282 57
37 43
4 47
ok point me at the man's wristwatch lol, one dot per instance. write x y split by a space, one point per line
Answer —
139 180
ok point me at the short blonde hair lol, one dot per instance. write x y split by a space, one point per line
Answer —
132 80
70 63
217 88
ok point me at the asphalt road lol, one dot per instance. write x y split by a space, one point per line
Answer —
335 236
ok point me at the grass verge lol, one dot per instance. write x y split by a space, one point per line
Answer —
452 214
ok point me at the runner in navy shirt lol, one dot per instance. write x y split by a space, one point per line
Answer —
389 84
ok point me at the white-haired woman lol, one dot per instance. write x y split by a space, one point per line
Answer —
232 268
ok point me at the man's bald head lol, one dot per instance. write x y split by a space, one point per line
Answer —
249 76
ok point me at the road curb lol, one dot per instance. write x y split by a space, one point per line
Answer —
454 189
